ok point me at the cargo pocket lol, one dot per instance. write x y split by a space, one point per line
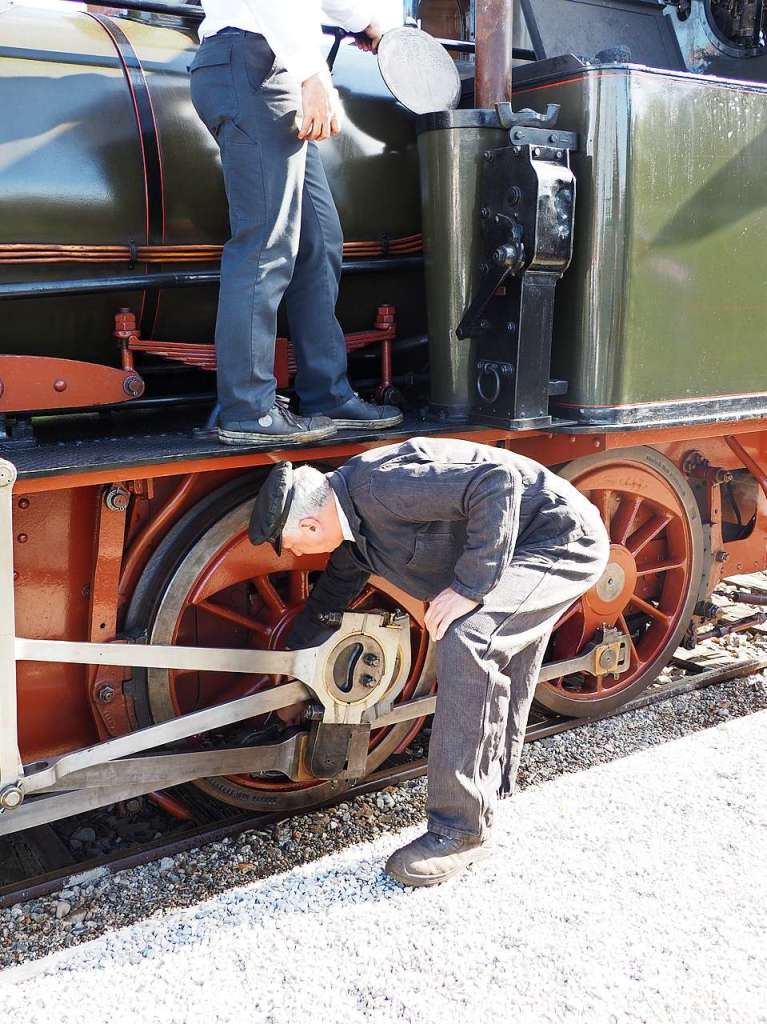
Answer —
212 85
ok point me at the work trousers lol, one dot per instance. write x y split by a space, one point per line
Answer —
286 238
487 666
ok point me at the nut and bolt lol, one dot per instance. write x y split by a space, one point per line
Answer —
368 681
117 499
608 659
11 797
371 659
722 556
106 695
133 386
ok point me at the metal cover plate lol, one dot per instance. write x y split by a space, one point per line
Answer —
418 71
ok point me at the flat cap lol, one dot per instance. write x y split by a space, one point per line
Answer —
271 507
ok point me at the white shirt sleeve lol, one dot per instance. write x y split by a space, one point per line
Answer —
291 31
351 15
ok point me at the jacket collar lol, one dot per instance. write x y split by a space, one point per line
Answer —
341 491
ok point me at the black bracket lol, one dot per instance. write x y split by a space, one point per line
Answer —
527 222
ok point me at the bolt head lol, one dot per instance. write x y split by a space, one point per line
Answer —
12 796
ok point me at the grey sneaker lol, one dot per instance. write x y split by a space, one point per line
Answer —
431 858
356 412
279 424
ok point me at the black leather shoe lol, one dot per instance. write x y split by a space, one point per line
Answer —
356 412
279 424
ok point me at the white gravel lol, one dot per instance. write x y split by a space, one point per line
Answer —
632 892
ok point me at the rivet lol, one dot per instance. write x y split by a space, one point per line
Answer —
23 502
597 444
59 385
22 538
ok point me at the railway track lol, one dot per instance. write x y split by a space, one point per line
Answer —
50 866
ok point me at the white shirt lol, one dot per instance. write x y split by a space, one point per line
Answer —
292 28
346 530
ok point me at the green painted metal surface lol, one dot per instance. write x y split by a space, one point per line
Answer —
665 299
451 161
71 173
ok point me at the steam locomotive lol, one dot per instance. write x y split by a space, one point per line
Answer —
575 275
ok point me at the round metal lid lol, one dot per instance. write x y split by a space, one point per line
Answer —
418 71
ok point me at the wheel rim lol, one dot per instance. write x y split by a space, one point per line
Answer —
228 593
646 587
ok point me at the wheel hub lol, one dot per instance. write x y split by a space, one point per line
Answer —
611 594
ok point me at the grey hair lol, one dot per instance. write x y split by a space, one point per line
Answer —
311 491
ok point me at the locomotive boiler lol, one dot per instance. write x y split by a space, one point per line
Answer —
568 265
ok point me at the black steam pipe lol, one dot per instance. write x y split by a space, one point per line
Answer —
175 279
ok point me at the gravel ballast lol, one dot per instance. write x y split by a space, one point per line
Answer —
101 902
630 892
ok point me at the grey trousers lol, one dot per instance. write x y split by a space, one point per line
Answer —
286 238
487 666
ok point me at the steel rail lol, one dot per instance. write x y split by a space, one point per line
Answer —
202 835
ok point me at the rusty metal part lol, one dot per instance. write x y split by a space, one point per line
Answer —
697 465
37 383
749 597
172 806
757 619
494 25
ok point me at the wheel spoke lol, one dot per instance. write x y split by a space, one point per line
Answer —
299 586
633 653
568 614
602 501
655 567
649 609
361 598
269 596
647 532
251 624
624 518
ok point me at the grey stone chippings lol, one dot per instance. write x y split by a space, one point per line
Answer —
105 901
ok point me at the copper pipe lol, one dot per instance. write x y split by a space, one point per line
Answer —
494 24
20 253
757 471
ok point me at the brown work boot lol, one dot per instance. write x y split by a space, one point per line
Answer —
432 858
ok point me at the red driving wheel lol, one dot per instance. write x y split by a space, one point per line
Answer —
227 593
651 584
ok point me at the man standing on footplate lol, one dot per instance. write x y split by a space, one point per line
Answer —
499 547
261 86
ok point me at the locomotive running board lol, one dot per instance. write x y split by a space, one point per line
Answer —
349 683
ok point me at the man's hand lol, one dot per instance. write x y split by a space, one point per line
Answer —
444 610
370 38
320 109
